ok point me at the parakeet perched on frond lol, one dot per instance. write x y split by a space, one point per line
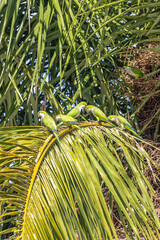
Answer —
68 120
134 71
97 113
123 123
49 122
76 111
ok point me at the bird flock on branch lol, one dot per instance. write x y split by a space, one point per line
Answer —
70 119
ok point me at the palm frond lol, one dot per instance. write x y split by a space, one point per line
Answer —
56 192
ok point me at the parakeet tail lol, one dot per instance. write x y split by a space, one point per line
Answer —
55 131
56 135
137 136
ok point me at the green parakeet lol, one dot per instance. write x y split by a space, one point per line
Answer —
97 113
68 120
49 122
123 123
134 71
75 112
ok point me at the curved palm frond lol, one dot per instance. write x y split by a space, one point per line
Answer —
57 192
52 48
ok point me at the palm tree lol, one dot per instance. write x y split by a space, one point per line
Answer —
54 53
71 191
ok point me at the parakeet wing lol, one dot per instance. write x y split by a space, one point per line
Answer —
98 113
131 129
69 119
50 123
74 112
136 70
123 120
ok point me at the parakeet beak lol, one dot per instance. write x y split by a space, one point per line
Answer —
39 114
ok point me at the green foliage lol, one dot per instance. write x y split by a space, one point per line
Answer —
60 51
55 192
